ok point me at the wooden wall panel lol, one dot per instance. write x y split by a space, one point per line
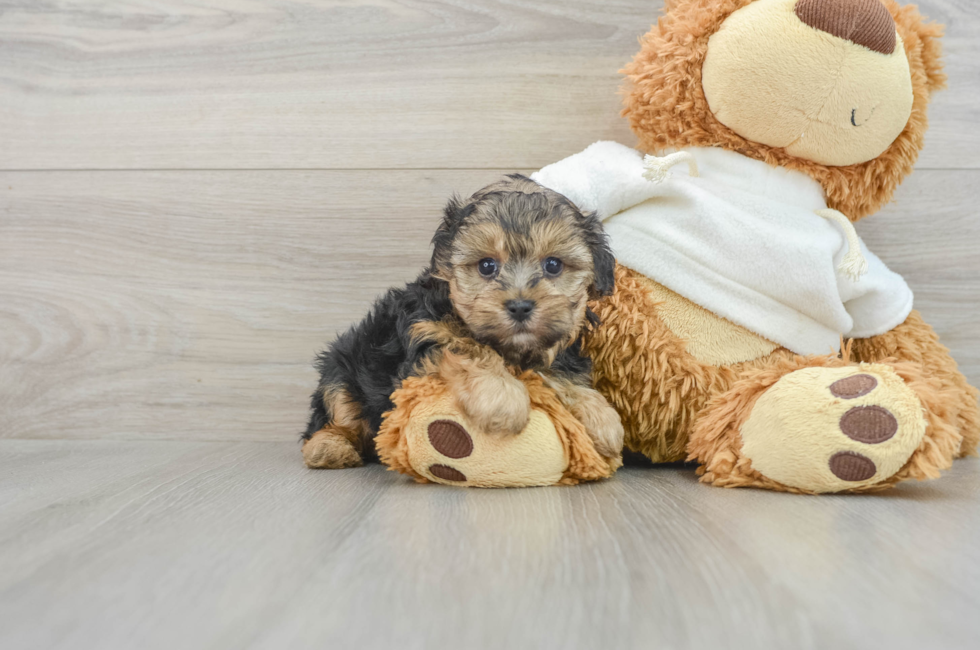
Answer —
219 84
186 304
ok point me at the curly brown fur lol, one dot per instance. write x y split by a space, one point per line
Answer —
675 407
647 374
667 108
513 268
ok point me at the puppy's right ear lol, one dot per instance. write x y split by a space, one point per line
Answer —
603 260
442 242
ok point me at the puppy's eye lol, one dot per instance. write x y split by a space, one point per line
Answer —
553 266
487 267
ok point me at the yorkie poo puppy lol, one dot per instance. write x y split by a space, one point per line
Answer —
512 271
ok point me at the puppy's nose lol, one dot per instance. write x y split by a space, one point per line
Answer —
865 22
520 310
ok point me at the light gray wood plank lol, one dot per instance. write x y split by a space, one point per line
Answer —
190 304
151 304
113 544
339 85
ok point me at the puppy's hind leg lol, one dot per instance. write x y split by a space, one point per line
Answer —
337 431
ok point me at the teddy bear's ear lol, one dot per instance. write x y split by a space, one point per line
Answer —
923 40
442 242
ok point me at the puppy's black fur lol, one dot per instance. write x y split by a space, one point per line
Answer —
372 358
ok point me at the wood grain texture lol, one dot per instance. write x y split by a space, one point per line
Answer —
190 305
339 84
236 545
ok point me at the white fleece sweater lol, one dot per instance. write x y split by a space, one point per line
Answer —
742 240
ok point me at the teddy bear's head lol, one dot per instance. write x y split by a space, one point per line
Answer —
836 89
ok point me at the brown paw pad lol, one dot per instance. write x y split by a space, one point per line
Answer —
451 440
447 473
849 466
869 424
853 387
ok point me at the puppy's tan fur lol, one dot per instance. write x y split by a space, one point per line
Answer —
339 445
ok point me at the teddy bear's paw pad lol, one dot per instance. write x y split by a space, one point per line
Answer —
850 466
447 473
869 424
834 429
854 386
450 439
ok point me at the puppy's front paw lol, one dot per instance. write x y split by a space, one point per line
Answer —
604 426
496 404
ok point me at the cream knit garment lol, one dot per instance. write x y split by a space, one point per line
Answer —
743 240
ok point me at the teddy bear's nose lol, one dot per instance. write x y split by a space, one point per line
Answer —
865 22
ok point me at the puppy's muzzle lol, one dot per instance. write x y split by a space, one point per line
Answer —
520 310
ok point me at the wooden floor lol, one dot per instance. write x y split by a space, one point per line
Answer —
195 196
120 544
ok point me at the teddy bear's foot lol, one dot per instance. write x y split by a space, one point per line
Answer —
834 429
830 427
446 447
428 436
328 449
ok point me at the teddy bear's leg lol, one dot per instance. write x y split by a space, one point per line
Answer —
646 372
430 437
822 424
439 443
915 341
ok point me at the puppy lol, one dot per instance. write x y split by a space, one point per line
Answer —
512 270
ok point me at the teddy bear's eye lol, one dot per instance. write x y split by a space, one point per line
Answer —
553 266
487 267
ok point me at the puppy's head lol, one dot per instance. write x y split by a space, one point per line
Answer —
522 262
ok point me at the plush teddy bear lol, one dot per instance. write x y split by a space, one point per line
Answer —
751 329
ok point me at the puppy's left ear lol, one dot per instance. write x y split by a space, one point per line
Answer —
442 242
603 260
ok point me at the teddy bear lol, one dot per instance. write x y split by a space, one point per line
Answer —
751 330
